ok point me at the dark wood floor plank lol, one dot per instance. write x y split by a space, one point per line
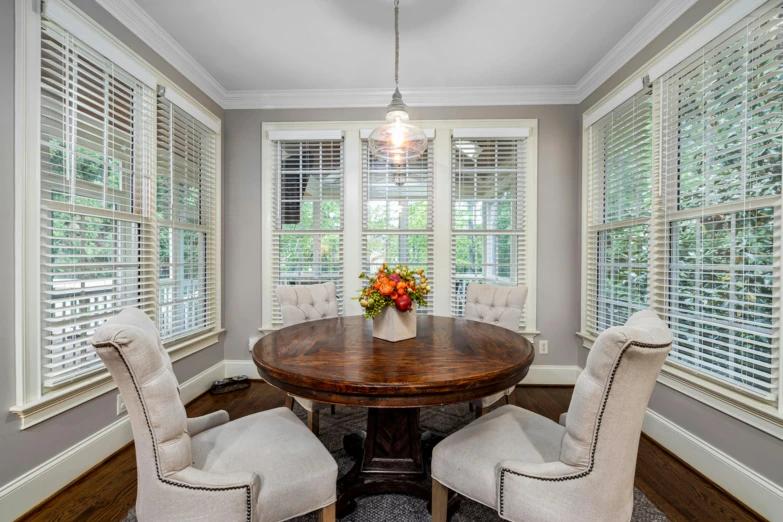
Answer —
108 491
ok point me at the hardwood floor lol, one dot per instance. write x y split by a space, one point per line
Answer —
108 491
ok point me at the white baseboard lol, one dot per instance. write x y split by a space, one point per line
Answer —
754 490
200 383
27 491
241 367
542 374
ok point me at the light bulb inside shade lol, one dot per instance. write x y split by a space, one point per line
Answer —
398 136
397 142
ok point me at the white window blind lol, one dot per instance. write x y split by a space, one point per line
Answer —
186 211
488 186
98 251
618 213
397 214
308 215
721 184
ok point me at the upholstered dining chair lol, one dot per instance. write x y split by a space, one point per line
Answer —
501 306
533 469
298 304
265 467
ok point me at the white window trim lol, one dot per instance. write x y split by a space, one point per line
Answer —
741 406
32 406
352 231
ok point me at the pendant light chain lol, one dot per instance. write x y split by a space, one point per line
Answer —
397 43
397 142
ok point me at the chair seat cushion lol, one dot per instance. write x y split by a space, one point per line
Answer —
298 475
486 402
310 405
467 461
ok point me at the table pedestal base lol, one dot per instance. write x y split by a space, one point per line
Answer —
389 459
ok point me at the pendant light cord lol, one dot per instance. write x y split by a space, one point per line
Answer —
397 43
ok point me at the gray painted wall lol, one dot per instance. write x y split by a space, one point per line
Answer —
754 448
20 451
558 215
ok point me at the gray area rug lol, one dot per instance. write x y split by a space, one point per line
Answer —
441 420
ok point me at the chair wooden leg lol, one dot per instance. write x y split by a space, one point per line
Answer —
333 409
470 406
313 422
289 402
511 398
440 501
327 514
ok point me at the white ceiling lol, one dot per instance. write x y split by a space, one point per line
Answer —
505 47
345 44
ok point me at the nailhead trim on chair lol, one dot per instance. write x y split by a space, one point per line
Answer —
155 448
589 469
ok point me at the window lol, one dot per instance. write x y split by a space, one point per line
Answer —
330 211
308 214
186 208
488 198
397 214
683 211
618 219
97 240
721 174
119 206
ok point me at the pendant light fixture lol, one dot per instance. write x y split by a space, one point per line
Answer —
397 142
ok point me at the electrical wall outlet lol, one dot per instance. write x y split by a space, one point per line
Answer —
120 405
543 347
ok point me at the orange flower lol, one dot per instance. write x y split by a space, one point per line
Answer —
401 286
394 296
367 292
385 289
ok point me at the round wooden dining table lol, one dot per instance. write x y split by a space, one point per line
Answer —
338 361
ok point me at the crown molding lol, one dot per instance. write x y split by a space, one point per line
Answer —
659 18
428 97
132 16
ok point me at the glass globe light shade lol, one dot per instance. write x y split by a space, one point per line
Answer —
397 142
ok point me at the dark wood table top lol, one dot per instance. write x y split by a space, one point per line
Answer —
338 361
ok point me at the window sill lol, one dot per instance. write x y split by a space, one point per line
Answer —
753 412
57 402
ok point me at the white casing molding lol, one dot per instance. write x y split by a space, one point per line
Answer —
755 491
659 18
138 21
423 97
129 14
30 489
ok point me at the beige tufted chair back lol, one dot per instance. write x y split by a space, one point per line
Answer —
300 303
130 347
498 305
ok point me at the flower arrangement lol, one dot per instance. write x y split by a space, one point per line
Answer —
393 286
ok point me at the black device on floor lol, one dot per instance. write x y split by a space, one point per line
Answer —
239 382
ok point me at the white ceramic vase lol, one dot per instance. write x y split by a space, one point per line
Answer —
393 325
